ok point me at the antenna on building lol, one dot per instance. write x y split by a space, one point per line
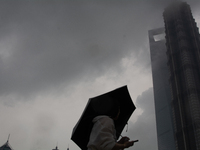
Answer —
8 137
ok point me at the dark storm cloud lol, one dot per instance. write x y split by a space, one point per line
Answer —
48 44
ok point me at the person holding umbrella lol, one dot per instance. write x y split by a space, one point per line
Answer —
103 120
103 134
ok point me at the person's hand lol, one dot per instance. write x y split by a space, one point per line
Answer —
123 143
127 144
123 140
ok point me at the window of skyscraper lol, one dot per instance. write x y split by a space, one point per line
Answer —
159 37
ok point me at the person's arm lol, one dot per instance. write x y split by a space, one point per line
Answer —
119 146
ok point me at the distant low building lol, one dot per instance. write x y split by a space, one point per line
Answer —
52 149
6 146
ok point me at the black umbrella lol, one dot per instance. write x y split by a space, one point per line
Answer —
103 105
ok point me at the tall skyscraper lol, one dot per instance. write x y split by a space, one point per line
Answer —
176 79
162 96
183 53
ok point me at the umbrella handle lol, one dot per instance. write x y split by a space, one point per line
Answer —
127 127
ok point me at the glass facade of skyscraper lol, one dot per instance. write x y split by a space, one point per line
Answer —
162 95
183 53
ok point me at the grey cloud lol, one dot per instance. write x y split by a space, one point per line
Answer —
58 43
145 128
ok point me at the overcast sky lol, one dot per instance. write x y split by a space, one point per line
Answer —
55 55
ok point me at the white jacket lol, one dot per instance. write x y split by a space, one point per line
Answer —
103 134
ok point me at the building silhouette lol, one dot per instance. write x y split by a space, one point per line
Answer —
56 148
183 52
6 146
183 75
162 96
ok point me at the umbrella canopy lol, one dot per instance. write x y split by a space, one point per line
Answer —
104 104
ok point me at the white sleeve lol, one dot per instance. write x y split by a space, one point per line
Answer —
103 135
